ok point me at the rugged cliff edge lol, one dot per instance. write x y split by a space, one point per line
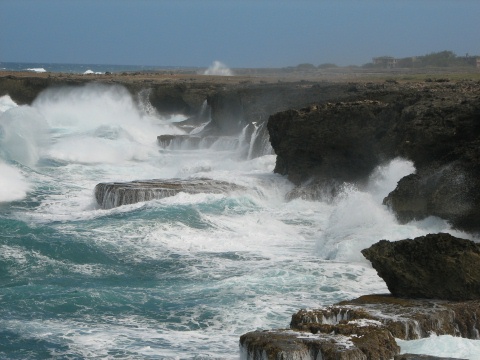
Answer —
436 125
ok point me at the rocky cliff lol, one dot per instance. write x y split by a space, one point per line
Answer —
436 125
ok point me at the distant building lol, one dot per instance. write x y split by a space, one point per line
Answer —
385 61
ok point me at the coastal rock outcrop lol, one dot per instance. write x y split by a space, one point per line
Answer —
235 107
364 328
342 142
110 195
437 126
435 266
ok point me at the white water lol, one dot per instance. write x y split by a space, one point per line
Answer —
218 68
38 70
442 346
294 254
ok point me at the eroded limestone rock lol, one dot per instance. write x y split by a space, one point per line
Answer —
364 328
110 195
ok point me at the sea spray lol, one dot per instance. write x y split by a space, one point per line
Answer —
13 183
6 103
358 219
99 124
23 135
179 277
218 68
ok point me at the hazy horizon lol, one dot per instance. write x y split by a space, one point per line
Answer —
240 34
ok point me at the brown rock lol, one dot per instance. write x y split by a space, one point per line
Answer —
435 266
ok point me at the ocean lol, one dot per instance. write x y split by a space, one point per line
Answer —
178 278
81 68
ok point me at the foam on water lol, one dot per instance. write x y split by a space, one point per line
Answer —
442 346
173 278
37 70
358 219
13 183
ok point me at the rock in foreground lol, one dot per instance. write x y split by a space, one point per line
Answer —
364 328
110 195
435 266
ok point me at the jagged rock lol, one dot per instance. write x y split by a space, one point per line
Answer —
235 107
363 328
319 190
290 345
110 195
341 141
437 126
435 266
449 192
407 319
188 141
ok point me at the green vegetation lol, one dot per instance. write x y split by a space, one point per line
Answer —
327 66
436 59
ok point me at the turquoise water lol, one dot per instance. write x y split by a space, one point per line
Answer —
177 278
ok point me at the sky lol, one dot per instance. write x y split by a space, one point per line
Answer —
239 33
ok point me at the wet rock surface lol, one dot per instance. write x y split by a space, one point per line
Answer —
435 266
110 195
364 328
437 126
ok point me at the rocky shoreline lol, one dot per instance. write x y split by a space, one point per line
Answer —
424 275
326 134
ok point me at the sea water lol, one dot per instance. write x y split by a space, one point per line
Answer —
83 68
177 278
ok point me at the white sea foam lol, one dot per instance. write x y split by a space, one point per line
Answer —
13 183
6 103
246 259
90 72
23 134
358 219
99 124
218 68
442 346
37 70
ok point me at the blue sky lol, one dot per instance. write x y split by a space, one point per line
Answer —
261 33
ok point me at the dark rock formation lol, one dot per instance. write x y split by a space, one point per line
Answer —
364 328
422 357
236 106
435 266
437 126
166 95
448 191
341 142
110 195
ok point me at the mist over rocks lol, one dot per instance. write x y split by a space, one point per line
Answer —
437 126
